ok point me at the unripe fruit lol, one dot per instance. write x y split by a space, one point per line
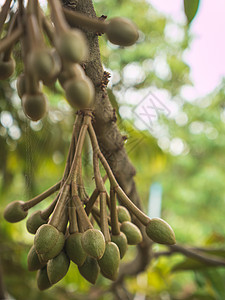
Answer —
6 68
72 46
122 31
79 92
35 221
121 241
123 214
58 267
74 71
160 232
34 106
33 261
74 248
93 243
41 63
21 85
14 212
109 263
90 269
43 282
56 68
48 242
132 233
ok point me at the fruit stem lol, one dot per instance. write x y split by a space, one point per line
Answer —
103 217
10 40
47 212
113 212
12 27
114 184
91 201
83 218
57 16
78 19
73 228
3 14
27 205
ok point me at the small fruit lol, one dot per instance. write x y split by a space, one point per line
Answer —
43 282
34 106
56 69
72 71
48 242
6 68
160 232
21 85
35 221
79 92
90 269
93 243
33 261
122 31
109 263
74 248
41 62
14 212
123 214
72 45
121 241
132 233
58 267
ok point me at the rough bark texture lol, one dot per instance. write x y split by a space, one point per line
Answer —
110 139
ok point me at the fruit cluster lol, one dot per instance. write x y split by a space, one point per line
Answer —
68 228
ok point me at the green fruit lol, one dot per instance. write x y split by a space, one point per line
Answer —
93 243
74 248
21 85
121 241
35 221
109 263
56 69
33 261
90 269
6 68
72 46
79 92
58 267
123 214
73 71
41 63
132 233
14 212
48 242
34 106
160 232
122 31
43 282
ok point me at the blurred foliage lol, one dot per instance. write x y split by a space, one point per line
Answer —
185 155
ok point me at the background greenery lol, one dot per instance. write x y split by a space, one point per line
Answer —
33 155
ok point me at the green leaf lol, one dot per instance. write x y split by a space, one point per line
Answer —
190 9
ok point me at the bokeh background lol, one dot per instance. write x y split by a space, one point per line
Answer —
178 152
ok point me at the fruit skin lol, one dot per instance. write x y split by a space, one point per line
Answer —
74 70
90 269
14 212
58 267
7 68
43 282
93 243
132 233
33 261
121 31
21 85
109 263
34 222
41 63
74 248
34 106
160 232
51 79
48 242
123 214
72 46
121 242
79 92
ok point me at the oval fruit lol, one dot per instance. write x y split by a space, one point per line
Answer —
34 106
90 269
58 267
6 68
33 261
121 241
123 214
14 212
132 233
34 222
21 85
93 243
43 282
74 248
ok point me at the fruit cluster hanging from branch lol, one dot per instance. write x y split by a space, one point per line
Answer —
67 229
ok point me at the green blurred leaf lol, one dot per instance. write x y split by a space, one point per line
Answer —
190 9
